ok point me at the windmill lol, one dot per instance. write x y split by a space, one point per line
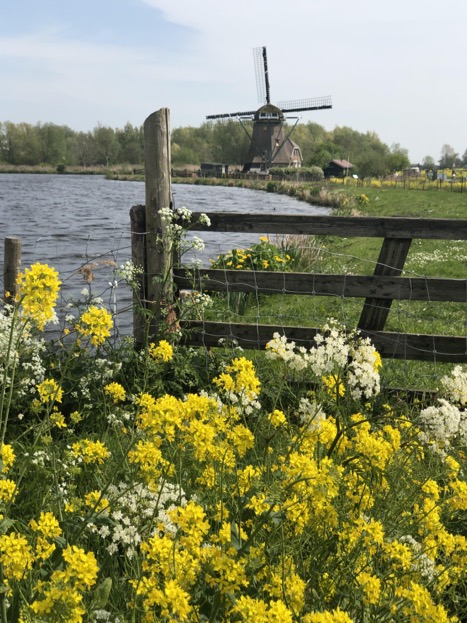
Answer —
270 142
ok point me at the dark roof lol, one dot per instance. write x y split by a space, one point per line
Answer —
345 164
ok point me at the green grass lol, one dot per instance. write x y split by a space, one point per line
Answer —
336 255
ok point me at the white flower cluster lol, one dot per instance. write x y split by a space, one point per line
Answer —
197 244
177 222
280 348
455 386
192 300
363 377
19 347
104 615
245 400
353 358
311 414
422 564
204 219
129 272
332 350
137 513
441 424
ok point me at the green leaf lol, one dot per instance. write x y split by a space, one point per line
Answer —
101 594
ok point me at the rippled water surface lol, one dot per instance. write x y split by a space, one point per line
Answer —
69 221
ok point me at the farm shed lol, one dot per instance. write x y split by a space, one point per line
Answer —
337 168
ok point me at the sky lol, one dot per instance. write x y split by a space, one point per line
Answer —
396 68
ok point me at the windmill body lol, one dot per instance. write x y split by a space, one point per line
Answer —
270 138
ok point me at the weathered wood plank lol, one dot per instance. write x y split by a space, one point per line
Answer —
347 226
320 284
11 267
419 347
158 195
391 261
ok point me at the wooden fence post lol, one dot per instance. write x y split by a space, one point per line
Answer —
11 266
157 169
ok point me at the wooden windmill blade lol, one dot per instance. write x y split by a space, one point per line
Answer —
249 113
262 75
314 103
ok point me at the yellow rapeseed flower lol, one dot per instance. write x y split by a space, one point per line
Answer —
7 490
115 391
95 323
47 525
90 451
162 352
15 555
81 567
49 391
38 287
8 457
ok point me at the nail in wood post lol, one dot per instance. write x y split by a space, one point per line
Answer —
158 196
11 266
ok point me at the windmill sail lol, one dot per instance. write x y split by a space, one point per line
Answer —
315 103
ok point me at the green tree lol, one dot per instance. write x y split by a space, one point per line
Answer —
398 158
53 142
131 140
448 157
106 145
83 148
20 144
428 163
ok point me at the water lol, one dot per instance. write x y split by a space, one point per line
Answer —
75 221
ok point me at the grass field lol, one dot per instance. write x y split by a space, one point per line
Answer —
352 256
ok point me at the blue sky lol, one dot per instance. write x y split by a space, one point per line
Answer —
394 68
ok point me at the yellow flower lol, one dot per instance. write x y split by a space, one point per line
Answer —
81 568
15 555
90 451
50 391
277 418
334 616
95 501
8 457
7 490
38 287
58 419
95 323
115 391
334 385
47 525
371 587
162 352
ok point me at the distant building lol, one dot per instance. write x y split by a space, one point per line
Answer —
411 172
337 168
214 169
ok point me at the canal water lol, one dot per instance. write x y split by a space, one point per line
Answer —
73 221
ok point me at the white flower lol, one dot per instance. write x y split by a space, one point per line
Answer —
440 423
204 219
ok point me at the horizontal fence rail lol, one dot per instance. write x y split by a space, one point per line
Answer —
345 226
377 290
390 345
323 284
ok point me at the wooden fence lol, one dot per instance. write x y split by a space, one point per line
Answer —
378 290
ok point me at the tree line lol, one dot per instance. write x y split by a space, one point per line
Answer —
225 142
